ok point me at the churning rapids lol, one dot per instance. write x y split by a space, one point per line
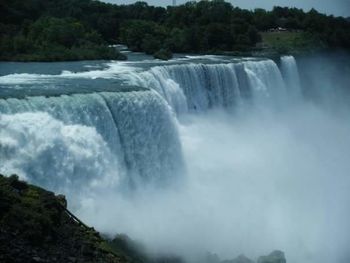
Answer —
197 154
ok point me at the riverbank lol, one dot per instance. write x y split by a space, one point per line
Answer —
58 54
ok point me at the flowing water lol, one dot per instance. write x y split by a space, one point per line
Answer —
196 154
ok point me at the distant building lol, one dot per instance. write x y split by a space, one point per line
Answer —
174 2
277 29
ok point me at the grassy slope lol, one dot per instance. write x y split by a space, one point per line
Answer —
290 42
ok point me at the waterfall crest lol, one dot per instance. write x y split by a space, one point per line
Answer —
199 87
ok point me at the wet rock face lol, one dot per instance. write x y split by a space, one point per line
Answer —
274 257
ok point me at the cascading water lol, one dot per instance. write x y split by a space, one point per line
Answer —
53 154
137 127
199 87
291 76
256 180
194 86
45 139
266 83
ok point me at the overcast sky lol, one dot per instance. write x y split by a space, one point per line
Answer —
335 7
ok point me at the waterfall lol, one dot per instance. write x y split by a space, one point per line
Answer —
291 76
193 86
279 170
266 83
136 130
50 153
199 87
129 135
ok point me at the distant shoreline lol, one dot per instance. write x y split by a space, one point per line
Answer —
68 55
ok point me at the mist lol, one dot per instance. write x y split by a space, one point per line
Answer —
271 172
256 181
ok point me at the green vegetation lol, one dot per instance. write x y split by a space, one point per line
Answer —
82 29
35 226
54 39
291 42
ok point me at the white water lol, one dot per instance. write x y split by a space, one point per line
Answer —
112 71
291 77
60 156
199 87
256 182
137 127
265 169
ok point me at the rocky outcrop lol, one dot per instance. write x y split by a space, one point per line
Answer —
274 257
35 226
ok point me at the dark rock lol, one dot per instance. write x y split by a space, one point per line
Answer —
163 54
38 260
72 259
274 257
62 200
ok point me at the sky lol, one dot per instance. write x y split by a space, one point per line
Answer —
334 7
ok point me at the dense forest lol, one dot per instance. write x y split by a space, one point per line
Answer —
82 29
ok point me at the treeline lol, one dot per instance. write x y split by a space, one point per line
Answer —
40 30
56 39
83 28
